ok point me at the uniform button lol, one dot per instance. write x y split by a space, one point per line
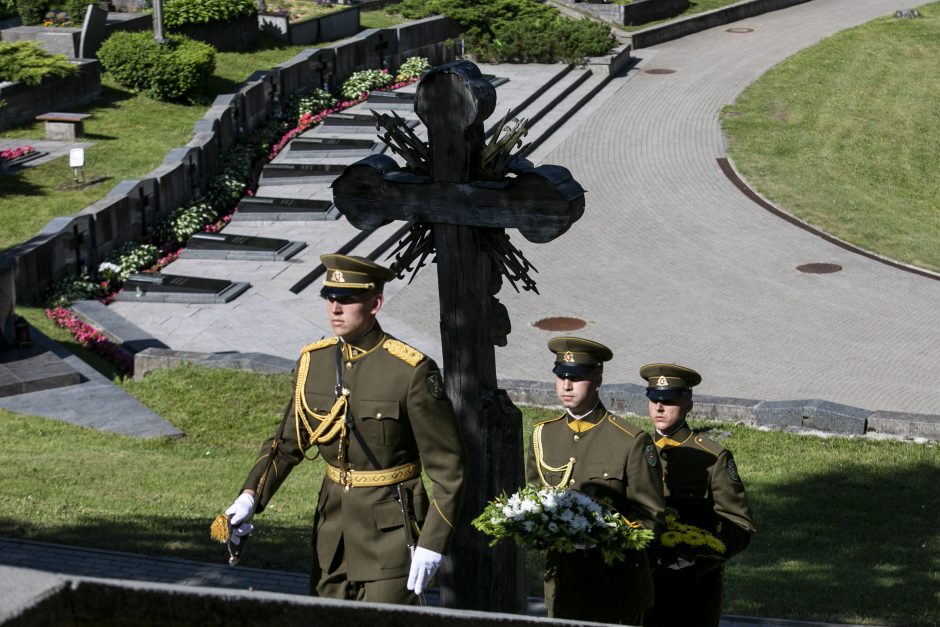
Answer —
349 364
605 474
572 460
378 414
577 437
571 482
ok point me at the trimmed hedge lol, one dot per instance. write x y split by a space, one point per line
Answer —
27 62
166 71
32 11
178 13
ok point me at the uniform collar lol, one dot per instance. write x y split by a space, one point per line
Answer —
589 421
676 438
365 343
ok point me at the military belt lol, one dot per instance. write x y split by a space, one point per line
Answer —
372 478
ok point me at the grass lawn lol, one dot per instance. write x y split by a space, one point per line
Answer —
132 135
847 529
844 136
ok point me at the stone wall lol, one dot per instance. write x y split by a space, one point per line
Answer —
326 28
646 11
702 21
24 103
68 245
235 35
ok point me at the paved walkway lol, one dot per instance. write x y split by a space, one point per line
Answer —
671 262
81 562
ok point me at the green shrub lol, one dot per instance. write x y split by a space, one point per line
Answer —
180 12
7 8
516 30
31 11
363 82
76 9
314 102
166 71
413 67
26 62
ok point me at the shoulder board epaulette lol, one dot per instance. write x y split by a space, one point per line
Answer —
550 420
628 428
404 352
327 341
709 445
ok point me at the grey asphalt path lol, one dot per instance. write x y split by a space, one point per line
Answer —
27 567
671 262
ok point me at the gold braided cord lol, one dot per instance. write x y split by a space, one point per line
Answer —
332 423
372 478
356 286
540 460
407 354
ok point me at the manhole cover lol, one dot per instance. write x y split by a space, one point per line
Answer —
659 70
740 29
560 323
819 268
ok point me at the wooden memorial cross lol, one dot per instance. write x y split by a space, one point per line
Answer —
461 195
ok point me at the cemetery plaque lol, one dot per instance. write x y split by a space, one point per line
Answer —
233 246
299 173
335 146
24 370
284 209
175 288
392 97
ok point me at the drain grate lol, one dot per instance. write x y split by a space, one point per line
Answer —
819 268
561 323
739 29
659 70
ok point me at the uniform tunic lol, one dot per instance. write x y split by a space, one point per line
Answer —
397 403
605 457
703 486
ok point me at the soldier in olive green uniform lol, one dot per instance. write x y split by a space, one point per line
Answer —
375 410
589 449
703 486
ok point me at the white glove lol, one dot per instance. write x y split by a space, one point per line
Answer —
239 514
424 563
680 564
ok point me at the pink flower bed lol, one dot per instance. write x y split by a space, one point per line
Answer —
11 154
92 339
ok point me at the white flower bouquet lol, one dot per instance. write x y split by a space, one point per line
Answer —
561 520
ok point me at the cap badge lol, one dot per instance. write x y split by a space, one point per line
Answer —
661 381
338 277
568 358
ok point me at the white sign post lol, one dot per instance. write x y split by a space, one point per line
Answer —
77 163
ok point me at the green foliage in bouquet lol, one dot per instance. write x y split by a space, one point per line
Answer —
562 521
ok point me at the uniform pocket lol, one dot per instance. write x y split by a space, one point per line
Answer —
380 420
604 481
387 515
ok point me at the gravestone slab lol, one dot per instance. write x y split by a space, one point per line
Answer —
175 288
93 32
7 304
335 147
343 122
391 100
259 208
296 173
233 246
24 370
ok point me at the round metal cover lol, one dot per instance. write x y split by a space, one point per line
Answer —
819 268
740 29
659 70
561 323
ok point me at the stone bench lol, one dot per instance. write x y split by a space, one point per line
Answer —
64 126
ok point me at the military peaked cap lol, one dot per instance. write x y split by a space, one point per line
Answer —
668 381
575 356
349 276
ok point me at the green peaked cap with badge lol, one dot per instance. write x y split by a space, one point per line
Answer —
575 356
668 381
351 276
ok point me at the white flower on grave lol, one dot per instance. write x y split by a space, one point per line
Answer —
106 267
